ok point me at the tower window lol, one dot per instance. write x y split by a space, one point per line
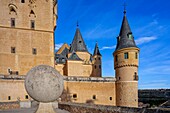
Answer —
22 1
79 41
116 58
126 55
136 77
26 96
95 66
12 22
34 51
94 97
110 98
99 66
74 95
12 49
99 58
136 55
9 97
32 24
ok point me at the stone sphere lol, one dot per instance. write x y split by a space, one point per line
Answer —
44 84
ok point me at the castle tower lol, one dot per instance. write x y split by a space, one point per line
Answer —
97 62
26 34
126 67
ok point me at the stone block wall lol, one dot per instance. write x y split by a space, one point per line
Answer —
87 108
9 105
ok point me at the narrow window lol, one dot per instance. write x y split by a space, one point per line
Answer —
34 51
116 58
136 76
17 73
22 1
94 97
136 55
74 95
99 58
9 97
26 96
12 22
126 55
32 24
99 66
110 98
95 66
12 49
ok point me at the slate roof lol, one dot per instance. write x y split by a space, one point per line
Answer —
62 57
125 38
74 56
78 43
96 50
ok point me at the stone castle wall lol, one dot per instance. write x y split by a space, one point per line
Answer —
87 108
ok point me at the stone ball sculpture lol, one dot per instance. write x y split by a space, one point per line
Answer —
44 84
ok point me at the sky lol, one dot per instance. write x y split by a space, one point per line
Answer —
100 21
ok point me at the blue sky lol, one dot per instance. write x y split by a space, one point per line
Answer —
100 20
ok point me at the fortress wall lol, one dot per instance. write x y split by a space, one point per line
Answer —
86 108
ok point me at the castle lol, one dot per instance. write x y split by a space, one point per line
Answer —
27 40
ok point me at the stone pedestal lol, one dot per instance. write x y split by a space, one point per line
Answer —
45 108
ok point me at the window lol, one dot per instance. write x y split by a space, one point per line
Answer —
74 95
126 55
136 55
94 96
9 97
26 96
110 98
95 66
12 49
130 36
32 24
79 41
116 58
99 58
22 1
34 51
17 73
12 22
136 76
99 66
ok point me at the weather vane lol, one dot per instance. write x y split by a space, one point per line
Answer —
77 23
124 5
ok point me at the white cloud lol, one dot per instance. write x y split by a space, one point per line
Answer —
57 46
108 47
145 40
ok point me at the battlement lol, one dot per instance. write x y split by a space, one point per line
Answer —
66 78
89 79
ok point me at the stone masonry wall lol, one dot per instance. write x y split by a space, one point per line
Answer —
9 105
87 108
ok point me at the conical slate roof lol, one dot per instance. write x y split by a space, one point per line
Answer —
78 43
96 50
125 38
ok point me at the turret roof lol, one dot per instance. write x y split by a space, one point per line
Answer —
125 38
78 43
96 50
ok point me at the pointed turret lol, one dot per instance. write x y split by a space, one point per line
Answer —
78 43
96 50
125 38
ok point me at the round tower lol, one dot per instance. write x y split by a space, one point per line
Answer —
97 62
126 67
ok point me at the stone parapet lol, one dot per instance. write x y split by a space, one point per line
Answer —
88 108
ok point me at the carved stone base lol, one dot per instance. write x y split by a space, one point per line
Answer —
45 108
